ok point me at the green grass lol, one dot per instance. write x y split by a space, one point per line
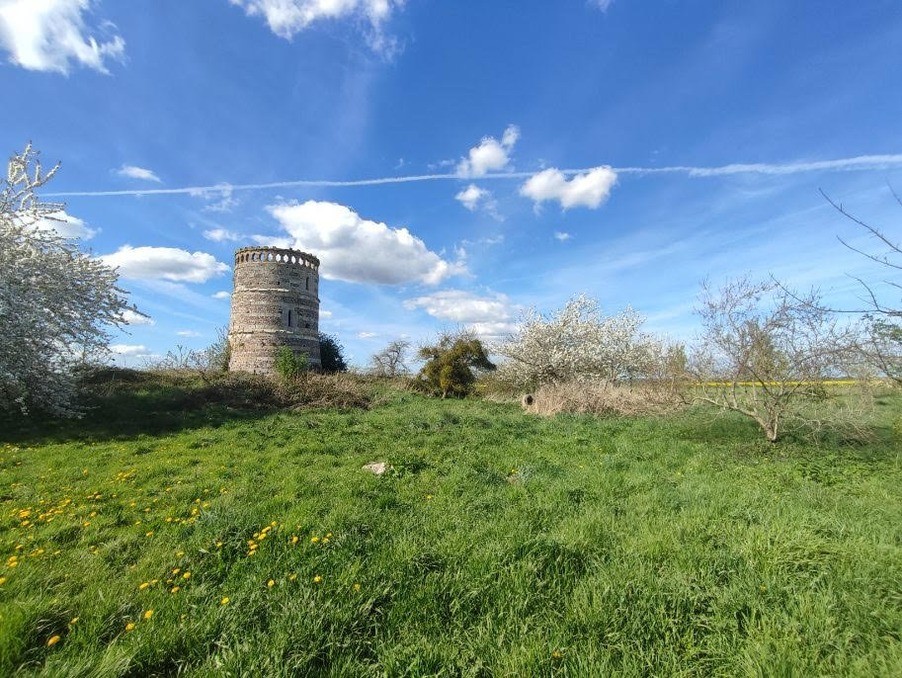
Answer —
501 544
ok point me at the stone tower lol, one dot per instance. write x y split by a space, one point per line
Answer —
275 303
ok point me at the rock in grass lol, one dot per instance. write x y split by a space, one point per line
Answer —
377 468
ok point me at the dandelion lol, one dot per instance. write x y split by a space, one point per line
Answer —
143 585
148 614
2 581
292 577
294 540
179 554
557 654
314 540
224 601
271 583
175 589
129 627
176 570
219 544
187 575
317 579
357 588
428 497
53 640
149 534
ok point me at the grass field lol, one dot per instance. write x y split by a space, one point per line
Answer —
151 539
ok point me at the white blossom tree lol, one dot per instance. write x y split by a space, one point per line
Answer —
578 342
56 302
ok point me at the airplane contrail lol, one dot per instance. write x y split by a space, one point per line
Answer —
857 163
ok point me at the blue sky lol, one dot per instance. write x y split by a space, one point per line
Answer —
620 148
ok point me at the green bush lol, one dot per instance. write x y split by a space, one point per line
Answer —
451 365
291 365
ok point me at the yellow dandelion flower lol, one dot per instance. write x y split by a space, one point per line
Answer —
219 544
357 587
176 570
144 585
175 589
317 579
53 640
74 619
294 539
557 654
179 554
329 535
129 627
149 534
314 540
2 581
292 577
271 583
148 614
187 575
224 601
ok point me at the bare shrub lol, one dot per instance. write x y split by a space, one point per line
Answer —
603 398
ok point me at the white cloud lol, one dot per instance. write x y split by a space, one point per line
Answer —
165 263
562 236
222 295
286 18
134 318
188 333
491 317
490 155
51 35
588 189
366 335
141 173
603 5
355 249
325 314
131 350
473 198
66 225
222 235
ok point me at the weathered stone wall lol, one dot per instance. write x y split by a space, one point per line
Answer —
275 303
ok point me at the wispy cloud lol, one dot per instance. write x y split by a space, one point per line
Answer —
853 164
141 173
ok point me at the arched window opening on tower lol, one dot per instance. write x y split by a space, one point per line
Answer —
307 283
289 317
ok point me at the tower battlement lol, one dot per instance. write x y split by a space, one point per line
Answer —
275 303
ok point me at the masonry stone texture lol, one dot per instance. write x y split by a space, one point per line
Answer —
275 303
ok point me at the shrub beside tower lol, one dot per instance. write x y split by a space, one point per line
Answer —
275 304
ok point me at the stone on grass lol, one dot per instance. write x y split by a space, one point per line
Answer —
377 468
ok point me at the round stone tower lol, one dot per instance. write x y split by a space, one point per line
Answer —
275 303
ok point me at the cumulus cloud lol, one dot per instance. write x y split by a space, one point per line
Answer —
355 249
286 18
562 236
588 189
490 155
52 35
475 198
222 235
188 333
132 317
130 350
165 263
366 335
222 295
66 225
141 173
490 317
